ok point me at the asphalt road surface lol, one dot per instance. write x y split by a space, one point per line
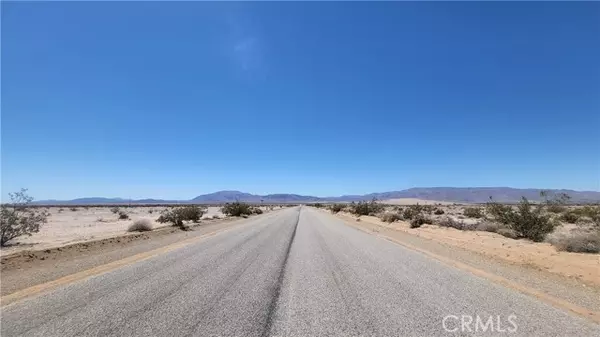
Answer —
295 272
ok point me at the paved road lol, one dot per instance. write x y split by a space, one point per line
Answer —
297 272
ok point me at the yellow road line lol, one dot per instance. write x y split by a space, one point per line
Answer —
105 268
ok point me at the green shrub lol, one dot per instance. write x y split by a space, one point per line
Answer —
17 218
336 208
507 232
140 225
473 212
418 221
527 221
366 208
236 209
176 216
412 211
554 208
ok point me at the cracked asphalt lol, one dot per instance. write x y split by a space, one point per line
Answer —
299 272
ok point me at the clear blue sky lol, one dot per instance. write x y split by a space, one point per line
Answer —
172 100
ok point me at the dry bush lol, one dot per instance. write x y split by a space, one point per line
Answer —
140 225
412 211
507 232
419 220
449 222
257 210
115 210
577 242
123 215
73 209
17 218
570 217
473 212
488 226
438 211
391 217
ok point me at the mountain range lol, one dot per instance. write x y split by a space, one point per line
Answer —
450 194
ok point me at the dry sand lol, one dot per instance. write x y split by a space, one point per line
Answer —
538 255
67 227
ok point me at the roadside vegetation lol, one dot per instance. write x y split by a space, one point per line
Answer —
178 216
140 225
18 218
538 222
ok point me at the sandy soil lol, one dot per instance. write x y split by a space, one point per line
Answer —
84 224
542 256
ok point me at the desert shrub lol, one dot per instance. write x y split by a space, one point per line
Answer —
115 210
488 226
449 222
17 218
176 216
236 209
257 210
428 209
553 208
473 212
438 211
123 215
579 242
589 211
317 205
412 211
418 221
391 217
527 221
336 208
140 225
60 210
150 211
216 217
73 209
366 208
570 217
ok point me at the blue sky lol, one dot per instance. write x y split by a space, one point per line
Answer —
172 100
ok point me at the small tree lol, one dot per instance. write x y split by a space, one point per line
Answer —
18 218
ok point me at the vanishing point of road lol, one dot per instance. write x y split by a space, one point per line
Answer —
293 272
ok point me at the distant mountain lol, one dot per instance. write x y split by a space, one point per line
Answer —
451 194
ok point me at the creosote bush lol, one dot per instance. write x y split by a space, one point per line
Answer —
140 225
438 211
123 215
366 208
528 221
177 215
236 209
336 208
418 221
18 218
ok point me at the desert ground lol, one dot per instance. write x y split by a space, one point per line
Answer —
75 224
